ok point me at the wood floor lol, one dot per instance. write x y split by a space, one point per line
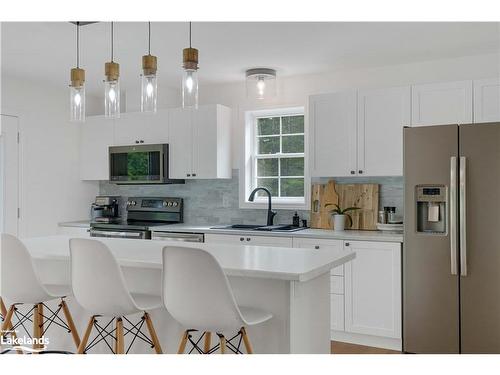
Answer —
345 348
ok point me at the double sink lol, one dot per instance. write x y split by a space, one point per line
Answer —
263 228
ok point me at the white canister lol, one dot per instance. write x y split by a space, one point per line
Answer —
339 222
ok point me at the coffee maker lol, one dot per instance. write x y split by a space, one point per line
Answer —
105 209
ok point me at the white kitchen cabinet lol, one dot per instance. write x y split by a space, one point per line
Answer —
442 103
332 123
316 244
200 142
96 135
249 240
382 114
372 287
75 231
337 312
141 128
487 100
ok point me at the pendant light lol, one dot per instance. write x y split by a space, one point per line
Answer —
190 76
112 85
149 84
261 83
77 86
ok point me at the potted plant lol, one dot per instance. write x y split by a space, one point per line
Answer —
340 215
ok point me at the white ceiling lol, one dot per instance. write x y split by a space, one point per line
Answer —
46 51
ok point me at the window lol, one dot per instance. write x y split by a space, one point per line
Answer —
276 156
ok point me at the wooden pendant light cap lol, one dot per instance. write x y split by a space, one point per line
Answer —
149 65
190 58
77 77
112 71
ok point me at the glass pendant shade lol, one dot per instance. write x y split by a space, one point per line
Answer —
190 88
112 99
149 93
261 83
77 103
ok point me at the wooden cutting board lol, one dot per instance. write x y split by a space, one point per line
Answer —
364 196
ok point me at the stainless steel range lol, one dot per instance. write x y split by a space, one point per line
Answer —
143 213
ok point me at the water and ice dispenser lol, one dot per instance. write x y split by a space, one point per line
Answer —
431 208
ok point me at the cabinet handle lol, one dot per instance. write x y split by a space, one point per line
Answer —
316 247
141 141
136 141
347 244
360 171
242 239
188 175
353 172
248 238
194 175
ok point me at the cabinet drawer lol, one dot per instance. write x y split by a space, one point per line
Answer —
249 240
337 312
337 284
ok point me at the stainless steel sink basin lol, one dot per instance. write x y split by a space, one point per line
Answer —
264 228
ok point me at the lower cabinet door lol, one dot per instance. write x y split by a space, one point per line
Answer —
337 312
372 288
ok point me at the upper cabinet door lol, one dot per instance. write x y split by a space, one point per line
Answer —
487 100
382 114
332 121
180 144
142 128
96 135
442 103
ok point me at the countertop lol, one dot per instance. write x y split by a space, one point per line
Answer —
361 235
236 260
353 235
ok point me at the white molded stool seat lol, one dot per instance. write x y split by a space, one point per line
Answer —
196 292
100 288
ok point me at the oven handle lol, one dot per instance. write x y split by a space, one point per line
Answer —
116 234
186 237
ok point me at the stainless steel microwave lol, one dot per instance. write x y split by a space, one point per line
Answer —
140 164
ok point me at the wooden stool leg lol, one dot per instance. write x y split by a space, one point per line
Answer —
182 345
36 326
208 342
85 339
8 319
71 324
3 309
246 341
152 333
40 318
222 345
120 344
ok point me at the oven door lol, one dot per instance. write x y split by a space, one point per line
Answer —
132 234
141 164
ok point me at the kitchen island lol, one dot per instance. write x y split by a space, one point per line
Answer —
291 283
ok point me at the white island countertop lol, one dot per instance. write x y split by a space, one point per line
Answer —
248 261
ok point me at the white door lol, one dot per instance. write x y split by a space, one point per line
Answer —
205 150
141 128
180 143
487 100
382 114
9 175
442 103
332 121
96 135
372 287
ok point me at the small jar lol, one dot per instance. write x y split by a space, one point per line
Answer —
382 217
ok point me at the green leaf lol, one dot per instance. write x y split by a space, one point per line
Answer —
351 209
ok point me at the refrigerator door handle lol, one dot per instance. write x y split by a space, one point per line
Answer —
463 216
453 215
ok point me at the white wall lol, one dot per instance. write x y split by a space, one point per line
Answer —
294 91
51 189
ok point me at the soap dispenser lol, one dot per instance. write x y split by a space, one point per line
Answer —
296 220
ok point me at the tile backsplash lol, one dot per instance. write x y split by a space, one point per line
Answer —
216 202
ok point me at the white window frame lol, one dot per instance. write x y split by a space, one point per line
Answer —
248 172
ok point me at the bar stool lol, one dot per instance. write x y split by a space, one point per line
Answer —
197 294
100 288
21 285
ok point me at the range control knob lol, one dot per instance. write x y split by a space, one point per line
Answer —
165 203
133 203
170 204
175 204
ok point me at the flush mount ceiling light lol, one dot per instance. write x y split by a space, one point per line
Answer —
149 84
190 76
77 86
112 84
261 83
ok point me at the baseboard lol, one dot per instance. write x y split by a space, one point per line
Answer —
367 340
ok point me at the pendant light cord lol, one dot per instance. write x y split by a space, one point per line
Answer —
112 35
149 38
189 34
78 44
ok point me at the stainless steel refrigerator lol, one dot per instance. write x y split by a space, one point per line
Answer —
451 256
